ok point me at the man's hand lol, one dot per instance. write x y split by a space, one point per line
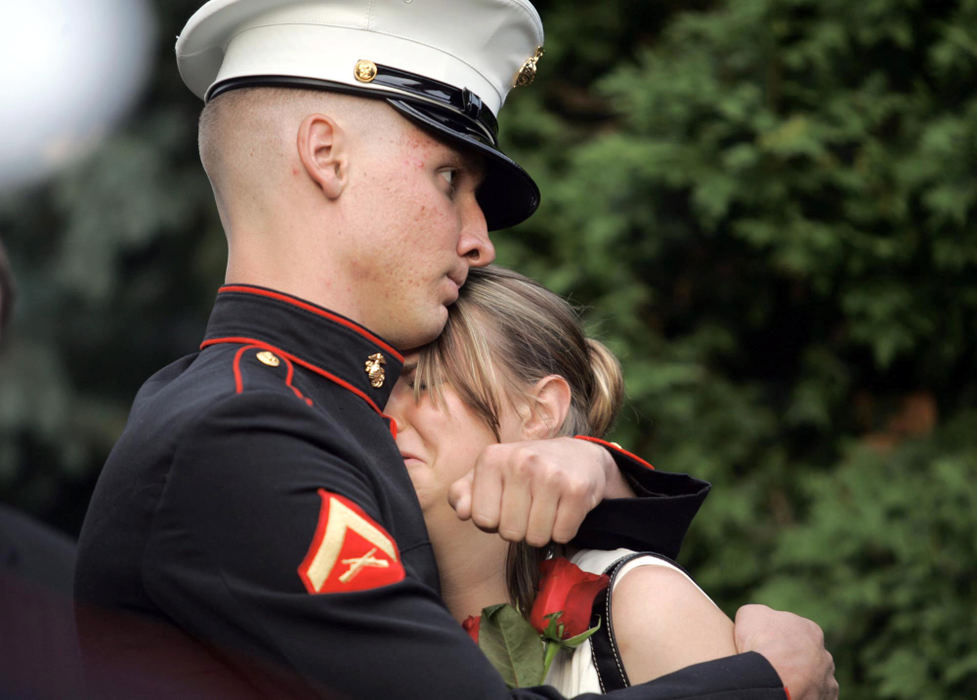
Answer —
537 490
793 645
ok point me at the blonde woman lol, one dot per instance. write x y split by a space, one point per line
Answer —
513 364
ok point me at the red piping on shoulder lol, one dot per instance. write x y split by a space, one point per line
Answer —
255 343
238 381
615 447
288 381
316 310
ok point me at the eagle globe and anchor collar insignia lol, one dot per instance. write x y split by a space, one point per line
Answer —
374 369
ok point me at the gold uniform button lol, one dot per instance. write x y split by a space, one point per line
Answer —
266 357
374 369
365 71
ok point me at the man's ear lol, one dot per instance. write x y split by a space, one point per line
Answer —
548 404
323 150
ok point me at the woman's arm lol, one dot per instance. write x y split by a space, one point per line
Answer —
664 622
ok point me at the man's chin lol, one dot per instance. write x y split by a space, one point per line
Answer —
424 333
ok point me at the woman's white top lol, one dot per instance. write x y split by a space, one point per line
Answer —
573 672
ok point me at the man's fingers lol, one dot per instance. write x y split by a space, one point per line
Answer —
535 491
569 516
460 496
743 630
542 519
831 687
578 496
516 501
793 645
486 495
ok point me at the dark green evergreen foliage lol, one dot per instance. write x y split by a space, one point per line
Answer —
897 588
116 261
767 208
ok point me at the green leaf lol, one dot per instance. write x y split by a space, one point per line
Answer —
554 628
512 645
574 642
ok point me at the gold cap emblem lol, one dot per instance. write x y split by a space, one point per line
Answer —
527 73
374 369
365 71
268 358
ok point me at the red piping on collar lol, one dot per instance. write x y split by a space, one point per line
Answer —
254 342
616 448
319 311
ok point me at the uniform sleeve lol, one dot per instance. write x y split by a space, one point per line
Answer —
742 677
234 528
656 520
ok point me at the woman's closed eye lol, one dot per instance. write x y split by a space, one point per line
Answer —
410 380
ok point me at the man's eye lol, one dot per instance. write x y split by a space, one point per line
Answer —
449 176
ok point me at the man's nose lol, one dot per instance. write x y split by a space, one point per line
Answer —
475 243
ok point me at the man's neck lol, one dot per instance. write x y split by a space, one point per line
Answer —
282 275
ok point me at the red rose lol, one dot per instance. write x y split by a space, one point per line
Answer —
471 626
564 587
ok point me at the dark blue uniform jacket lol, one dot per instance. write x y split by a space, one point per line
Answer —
254 531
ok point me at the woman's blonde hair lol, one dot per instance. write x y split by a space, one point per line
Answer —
504 334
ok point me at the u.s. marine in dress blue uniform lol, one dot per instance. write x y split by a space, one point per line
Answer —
256 519
254 531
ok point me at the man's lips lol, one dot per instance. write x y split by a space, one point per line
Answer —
459 276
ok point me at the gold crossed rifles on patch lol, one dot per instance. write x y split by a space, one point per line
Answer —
356 565
341 520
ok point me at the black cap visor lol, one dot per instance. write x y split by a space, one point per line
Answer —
508 194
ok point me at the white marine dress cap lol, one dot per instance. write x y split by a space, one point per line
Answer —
447 65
